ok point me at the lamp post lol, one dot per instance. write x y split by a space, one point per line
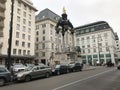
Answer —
10 37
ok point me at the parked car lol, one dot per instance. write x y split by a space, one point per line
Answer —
118 65
18 67
60 69
5 76
75 67
34 72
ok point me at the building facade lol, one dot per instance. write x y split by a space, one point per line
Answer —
97 43
23 34
117 48
48 42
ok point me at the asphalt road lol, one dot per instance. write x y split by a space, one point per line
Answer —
101 78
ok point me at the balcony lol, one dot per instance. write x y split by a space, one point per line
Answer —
2 6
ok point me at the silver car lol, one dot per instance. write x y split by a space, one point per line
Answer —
34 72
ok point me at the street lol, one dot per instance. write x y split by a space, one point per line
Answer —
101 78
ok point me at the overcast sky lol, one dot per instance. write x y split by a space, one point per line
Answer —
81 12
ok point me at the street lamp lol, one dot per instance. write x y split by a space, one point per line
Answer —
10 37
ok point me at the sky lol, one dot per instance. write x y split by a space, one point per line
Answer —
81 12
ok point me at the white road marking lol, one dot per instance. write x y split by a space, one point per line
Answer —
81 80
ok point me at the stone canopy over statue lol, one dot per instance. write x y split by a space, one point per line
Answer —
64 23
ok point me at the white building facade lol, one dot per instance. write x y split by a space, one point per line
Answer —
97 43
23 35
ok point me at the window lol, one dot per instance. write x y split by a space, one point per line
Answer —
43 31
88 50
43 25
19 51
28 45
29 30
24 28
29 37
37 33
29 23
24 21
18 19
25 7
17 34
18 27
24 14
14 51
23 44
24 52
107 48
18 11
17 43
23 36
29 17
43 54
51 26
43 38
43 46
19 4
37 39
52 46
92 29
94 50
28 52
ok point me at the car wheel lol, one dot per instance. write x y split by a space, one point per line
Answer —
47 75
27 78
58 72
2 81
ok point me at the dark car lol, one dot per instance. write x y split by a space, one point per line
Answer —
75 67
33 72
5 76
60 69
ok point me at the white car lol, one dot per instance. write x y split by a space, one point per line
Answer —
18 67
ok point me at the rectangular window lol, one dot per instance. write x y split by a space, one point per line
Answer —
29 30
29 37
24 14
18 18
43 54
19 51
18 11
43 25
28 52
23 36
43 31
24 52
19 4
14 51
24 21
43 38
29 23
43 46
17 43
24 28
28 45
18 27
17 34
23 44
29 17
